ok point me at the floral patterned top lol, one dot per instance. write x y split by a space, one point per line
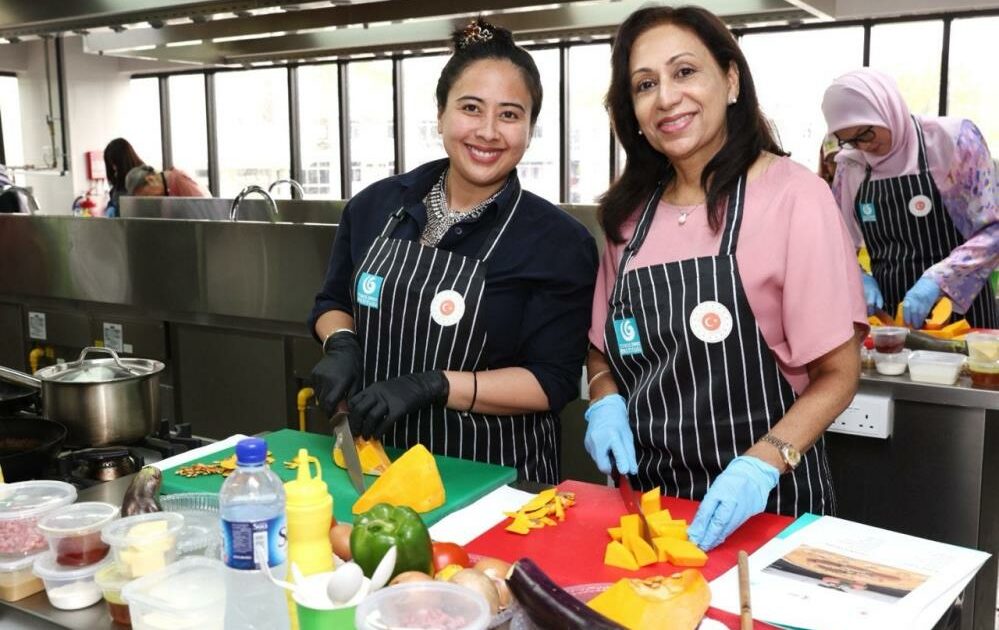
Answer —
966 176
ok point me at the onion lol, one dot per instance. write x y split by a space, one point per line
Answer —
480 583
410 576
493 567
340 540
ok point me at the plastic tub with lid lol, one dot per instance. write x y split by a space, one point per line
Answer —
983 359
22 505
74 532
187 595
17 580
423 606
941 368
143 543
202 532
891 364
889 339
68 588
111 580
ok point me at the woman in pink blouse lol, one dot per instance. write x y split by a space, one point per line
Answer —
921 193
727 309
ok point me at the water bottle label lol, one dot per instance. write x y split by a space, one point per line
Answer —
241 539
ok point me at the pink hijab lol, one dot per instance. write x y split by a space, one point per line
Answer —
868 97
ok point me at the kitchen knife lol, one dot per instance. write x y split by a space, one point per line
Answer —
631 504
341 429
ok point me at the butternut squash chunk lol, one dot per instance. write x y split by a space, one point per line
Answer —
677 602
681 553
617 555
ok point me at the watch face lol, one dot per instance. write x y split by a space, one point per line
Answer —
791 456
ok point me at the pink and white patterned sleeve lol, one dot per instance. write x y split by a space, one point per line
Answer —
971 196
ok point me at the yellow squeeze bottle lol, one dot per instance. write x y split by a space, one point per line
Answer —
309 509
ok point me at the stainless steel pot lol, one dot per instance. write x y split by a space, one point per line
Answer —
100 401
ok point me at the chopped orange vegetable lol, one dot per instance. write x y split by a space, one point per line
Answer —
372 455
520 525
650 502
674 529
630 523
614 532
940 314
681 553
677 602
411 480
899 315
643 553
538 512
617 555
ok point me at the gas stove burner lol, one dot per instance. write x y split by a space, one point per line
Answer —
105 463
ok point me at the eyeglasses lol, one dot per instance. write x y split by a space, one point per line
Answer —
864 136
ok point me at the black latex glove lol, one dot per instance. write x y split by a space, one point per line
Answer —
378 406
338 375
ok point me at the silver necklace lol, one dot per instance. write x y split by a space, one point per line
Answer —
440 218
682 218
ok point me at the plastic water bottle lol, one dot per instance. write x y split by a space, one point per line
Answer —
254 533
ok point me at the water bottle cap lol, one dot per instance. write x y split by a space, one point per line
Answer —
251 451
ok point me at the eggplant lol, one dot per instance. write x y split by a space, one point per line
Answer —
142 496
548 605
917 340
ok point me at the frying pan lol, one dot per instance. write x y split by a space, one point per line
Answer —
28 446
14 398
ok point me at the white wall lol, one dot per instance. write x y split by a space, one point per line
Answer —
96 102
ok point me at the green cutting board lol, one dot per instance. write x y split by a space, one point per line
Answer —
464 481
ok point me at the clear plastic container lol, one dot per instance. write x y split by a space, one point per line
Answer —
187 595
143 543
17 580
74 532
423 605
891 364
983 359
889 339
941 368
202 533
111 580
22 505
68 588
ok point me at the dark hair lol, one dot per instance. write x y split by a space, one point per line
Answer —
646 167
119 159
482 40
10 201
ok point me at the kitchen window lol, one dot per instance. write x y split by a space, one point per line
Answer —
371 112
319 130
252 128
189 126
589 125
419 104
910 52
143 132
974 45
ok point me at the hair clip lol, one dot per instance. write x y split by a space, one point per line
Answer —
475 33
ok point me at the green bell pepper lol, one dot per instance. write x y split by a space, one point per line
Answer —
385 525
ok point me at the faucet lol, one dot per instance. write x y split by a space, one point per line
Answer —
295 187
234 208
32 203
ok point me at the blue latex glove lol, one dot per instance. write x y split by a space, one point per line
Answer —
872 293
738 493
608 431
918 302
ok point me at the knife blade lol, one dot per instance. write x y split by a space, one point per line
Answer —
341 428
630 502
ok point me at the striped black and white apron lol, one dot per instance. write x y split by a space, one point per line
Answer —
907 230
419 308
702 385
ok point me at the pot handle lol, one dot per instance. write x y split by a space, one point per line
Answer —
114 355
20 378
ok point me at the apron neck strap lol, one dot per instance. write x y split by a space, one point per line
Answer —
923 166
733 219
641 229
501 223
393 221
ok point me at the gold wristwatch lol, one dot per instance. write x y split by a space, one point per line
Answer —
788 453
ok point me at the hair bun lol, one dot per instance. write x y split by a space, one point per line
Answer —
477 32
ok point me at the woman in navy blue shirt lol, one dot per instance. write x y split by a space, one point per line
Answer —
456 304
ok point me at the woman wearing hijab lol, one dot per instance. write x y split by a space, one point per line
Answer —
455 306
922 194
725 320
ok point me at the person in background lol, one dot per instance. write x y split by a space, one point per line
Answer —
827 159
455 305
921 192
11 201
727 314
119 158
144 181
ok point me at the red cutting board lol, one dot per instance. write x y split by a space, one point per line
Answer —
573 552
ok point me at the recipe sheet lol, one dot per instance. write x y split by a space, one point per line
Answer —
828 573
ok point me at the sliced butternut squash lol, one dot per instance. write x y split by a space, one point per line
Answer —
617 555
630 525
650 503
644 554
411 480
940 314
614 533
374 461
899 315
677 602
681 553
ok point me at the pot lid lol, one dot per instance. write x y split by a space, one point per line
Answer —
105 370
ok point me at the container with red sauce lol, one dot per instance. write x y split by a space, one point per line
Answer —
889 339
74 533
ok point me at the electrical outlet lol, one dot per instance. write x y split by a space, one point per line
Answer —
868 415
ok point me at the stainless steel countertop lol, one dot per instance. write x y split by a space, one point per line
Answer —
961 394
36 612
